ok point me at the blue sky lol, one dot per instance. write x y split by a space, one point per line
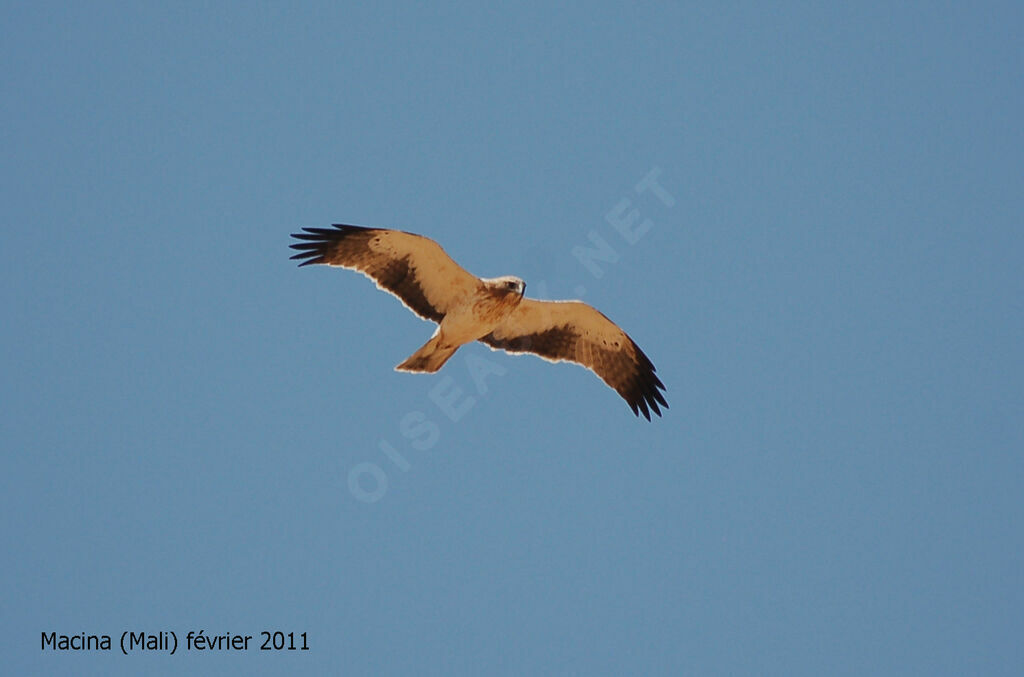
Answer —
832 295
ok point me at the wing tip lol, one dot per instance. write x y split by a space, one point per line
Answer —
643 393
315 243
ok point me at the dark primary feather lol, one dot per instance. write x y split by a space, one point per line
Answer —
323 244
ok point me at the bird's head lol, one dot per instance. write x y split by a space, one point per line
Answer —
508 284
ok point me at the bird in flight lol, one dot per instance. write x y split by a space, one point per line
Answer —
493 311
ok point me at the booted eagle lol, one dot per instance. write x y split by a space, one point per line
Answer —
494 311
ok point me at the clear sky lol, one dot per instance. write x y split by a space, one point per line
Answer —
828 278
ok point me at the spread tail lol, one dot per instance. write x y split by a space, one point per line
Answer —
429 358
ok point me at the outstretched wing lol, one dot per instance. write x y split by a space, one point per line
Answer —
575 332
412 267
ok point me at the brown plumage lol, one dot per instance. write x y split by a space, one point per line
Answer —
494 311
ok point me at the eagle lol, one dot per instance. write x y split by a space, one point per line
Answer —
494 311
